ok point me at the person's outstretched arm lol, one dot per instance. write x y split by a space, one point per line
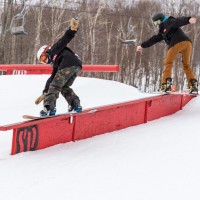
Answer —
182 21
67 37
153 40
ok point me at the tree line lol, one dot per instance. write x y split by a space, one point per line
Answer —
103 27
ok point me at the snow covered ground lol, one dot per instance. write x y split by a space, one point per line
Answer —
159 160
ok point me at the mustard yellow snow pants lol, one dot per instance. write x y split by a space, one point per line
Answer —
185 48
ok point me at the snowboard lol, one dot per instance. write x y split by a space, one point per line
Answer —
36 117
45 117
176 93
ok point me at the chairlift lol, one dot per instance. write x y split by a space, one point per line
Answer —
17 25
129 42
130 29
18 22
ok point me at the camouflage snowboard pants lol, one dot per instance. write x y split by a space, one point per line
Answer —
62 81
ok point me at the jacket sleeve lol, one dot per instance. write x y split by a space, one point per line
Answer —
180 21
50 79
62 42
153 40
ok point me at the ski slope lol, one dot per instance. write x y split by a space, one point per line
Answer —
154 161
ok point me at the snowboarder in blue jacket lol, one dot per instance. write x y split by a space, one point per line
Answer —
178 42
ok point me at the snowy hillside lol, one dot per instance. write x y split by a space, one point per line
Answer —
154 161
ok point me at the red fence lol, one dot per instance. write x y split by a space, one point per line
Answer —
27 69
36 134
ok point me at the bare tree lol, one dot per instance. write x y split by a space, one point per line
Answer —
103 26
6 15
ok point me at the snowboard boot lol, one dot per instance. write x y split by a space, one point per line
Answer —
47 112
44 112
75 106
52 112
166 87
193 88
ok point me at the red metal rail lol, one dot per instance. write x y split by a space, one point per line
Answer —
24 69
36 134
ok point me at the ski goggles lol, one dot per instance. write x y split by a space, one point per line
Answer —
157 22
43 58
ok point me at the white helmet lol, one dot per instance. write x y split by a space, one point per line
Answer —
41 51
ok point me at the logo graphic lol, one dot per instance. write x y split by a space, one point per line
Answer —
27 139
2 72
19 72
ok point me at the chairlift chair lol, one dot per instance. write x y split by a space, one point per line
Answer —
129 42
17 25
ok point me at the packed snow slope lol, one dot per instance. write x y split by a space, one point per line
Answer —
154 161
